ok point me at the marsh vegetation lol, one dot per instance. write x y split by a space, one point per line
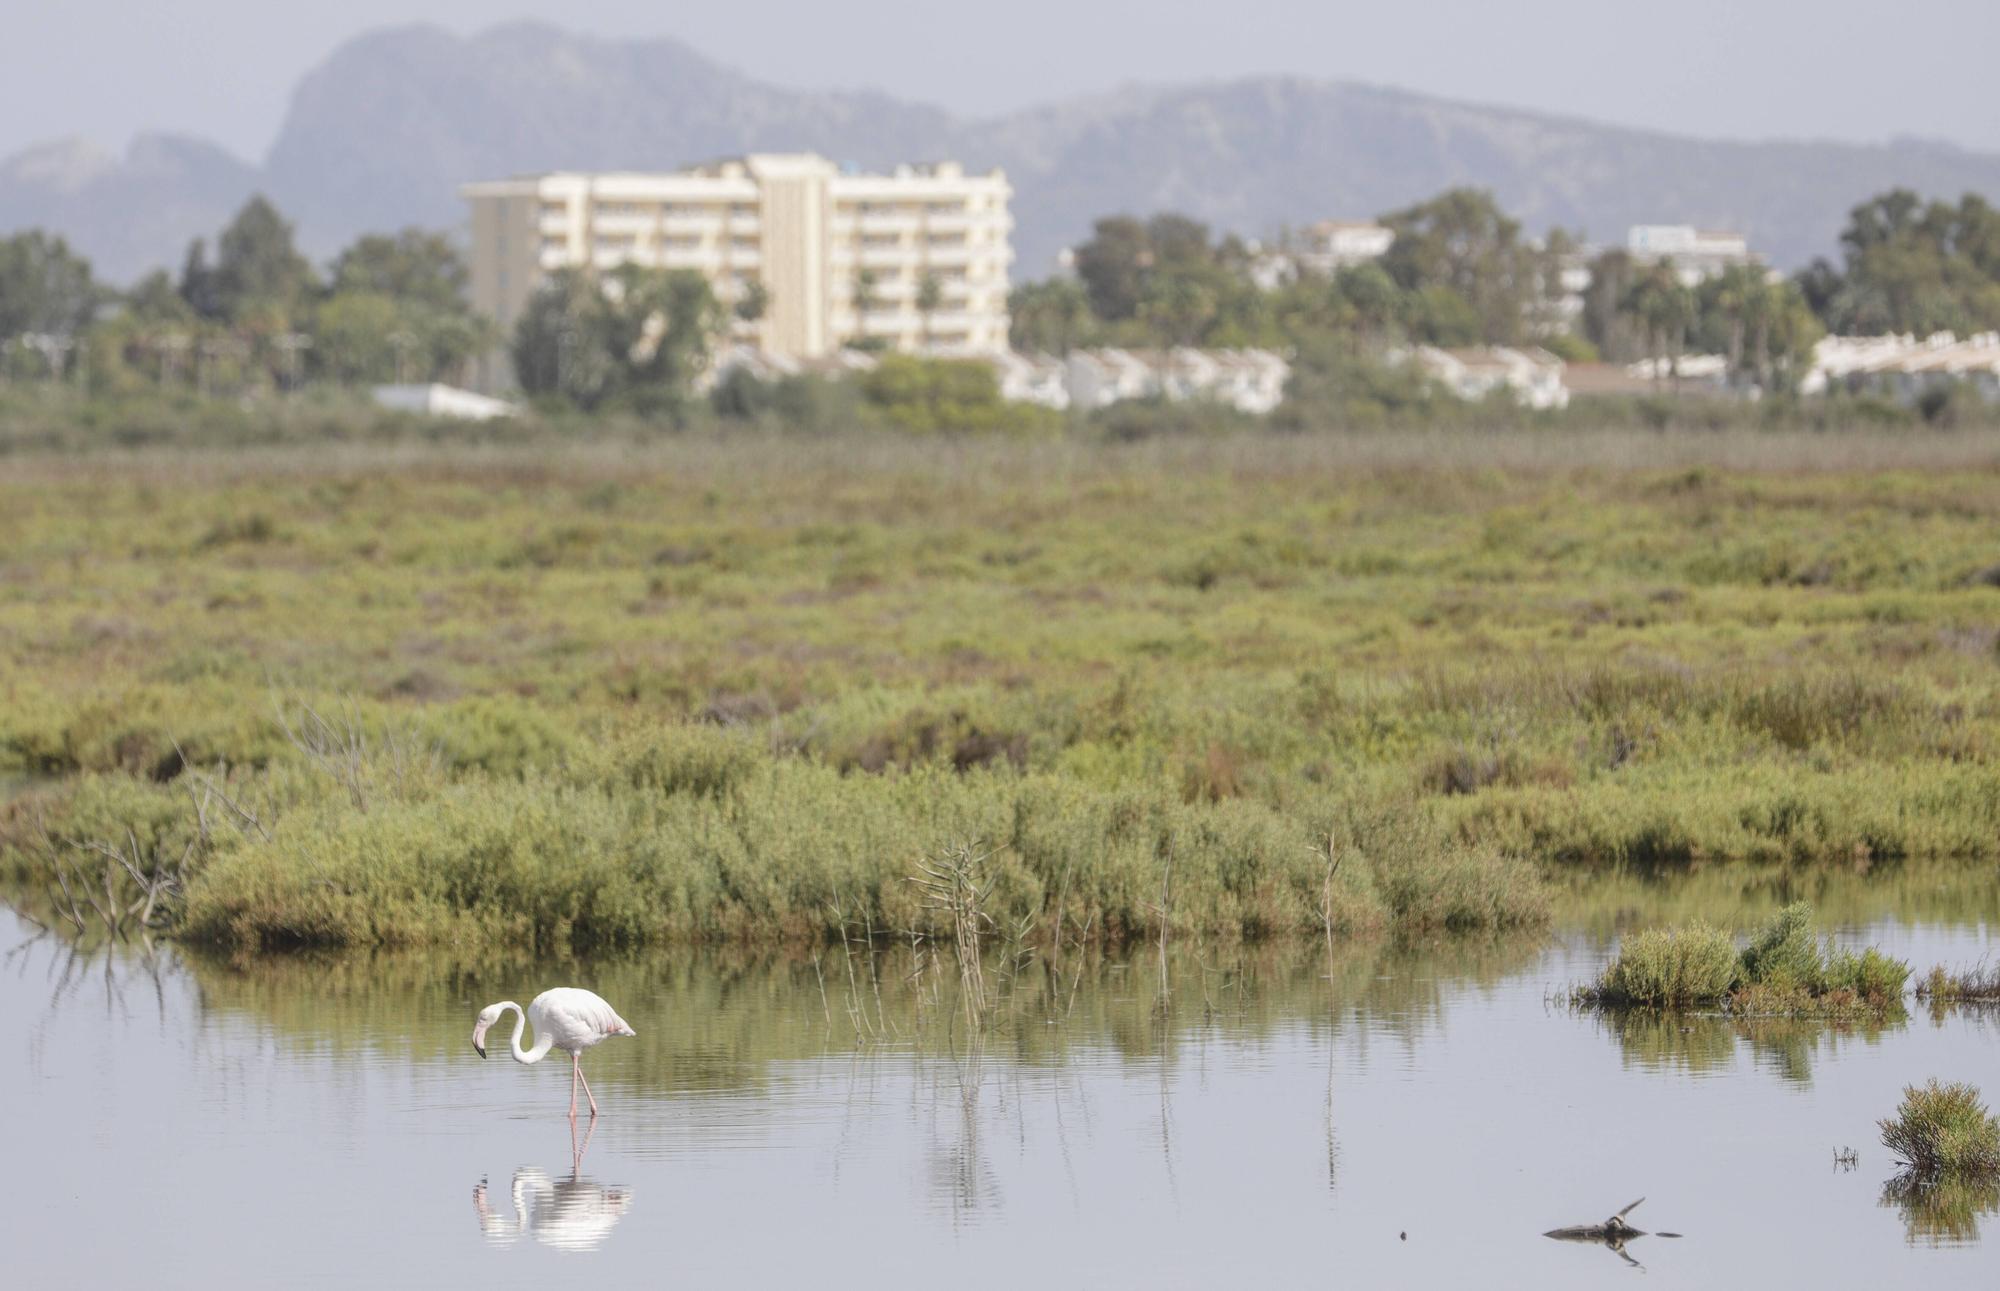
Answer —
718 689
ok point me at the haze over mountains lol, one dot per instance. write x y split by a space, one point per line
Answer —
383 132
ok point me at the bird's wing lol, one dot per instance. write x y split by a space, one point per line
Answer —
1629 1209
586 1011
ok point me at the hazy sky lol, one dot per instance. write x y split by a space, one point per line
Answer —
1844 69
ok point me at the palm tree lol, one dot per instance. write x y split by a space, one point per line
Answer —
930 294
864 305
1663 306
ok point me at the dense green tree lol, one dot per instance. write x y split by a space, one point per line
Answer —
259 272
413 267
1183 299
1164 282
155 299
396 309
1373 297
197 281
44 287
1438 315
1051 317
1462 241
1112 266
1912 266
633 337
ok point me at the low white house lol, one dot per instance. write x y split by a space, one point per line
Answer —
1533 376
1688 369
767 366
1905 367
434 400
1032 378
1249 380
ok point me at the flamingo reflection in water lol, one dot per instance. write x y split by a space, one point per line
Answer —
573 1214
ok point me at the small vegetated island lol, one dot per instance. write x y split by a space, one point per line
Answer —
1786 969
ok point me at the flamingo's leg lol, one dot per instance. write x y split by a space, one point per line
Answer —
575 1072
586 1088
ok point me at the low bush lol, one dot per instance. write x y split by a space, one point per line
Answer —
1671 968
1943 1129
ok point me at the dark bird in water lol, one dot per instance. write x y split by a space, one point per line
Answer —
1612 1233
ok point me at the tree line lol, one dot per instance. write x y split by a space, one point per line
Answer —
1461 272
249 310
253 312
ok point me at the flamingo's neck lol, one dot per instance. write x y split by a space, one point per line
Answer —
543 1044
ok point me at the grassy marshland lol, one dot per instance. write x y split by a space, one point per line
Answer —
617 692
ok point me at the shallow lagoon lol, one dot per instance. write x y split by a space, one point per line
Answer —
1278 1115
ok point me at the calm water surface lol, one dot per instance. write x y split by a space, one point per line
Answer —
1280 1117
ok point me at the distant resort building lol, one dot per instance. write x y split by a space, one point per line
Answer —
1321 249
839 256
1696 254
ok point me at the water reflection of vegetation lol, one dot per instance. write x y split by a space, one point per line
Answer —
1705 1043
726 1014
1944 1211
1738 896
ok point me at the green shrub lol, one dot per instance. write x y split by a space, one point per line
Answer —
1670 968
1786 953
1943 1129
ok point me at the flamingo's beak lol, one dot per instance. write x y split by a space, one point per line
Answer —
479 1039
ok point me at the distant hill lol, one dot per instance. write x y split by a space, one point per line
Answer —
381 134
131 213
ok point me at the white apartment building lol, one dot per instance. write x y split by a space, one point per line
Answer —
1332 245
840 255
1696 254
1324 249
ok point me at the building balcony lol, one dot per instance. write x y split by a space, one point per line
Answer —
888 223
696 222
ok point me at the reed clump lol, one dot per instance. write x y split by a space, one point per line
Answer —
1671 968
1786 969
1977 985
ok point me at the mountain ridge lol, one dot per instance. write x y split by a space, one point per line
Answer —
381 133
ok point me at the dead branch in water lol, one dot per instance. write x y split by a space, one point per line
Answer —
955 884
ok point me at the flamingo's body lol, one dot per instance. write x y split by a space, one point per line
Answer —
567 1018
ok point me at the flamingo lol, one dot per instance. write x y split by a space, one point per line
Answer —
567 1018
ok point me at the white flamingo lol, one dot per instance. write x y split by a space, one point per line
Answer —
566 1018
